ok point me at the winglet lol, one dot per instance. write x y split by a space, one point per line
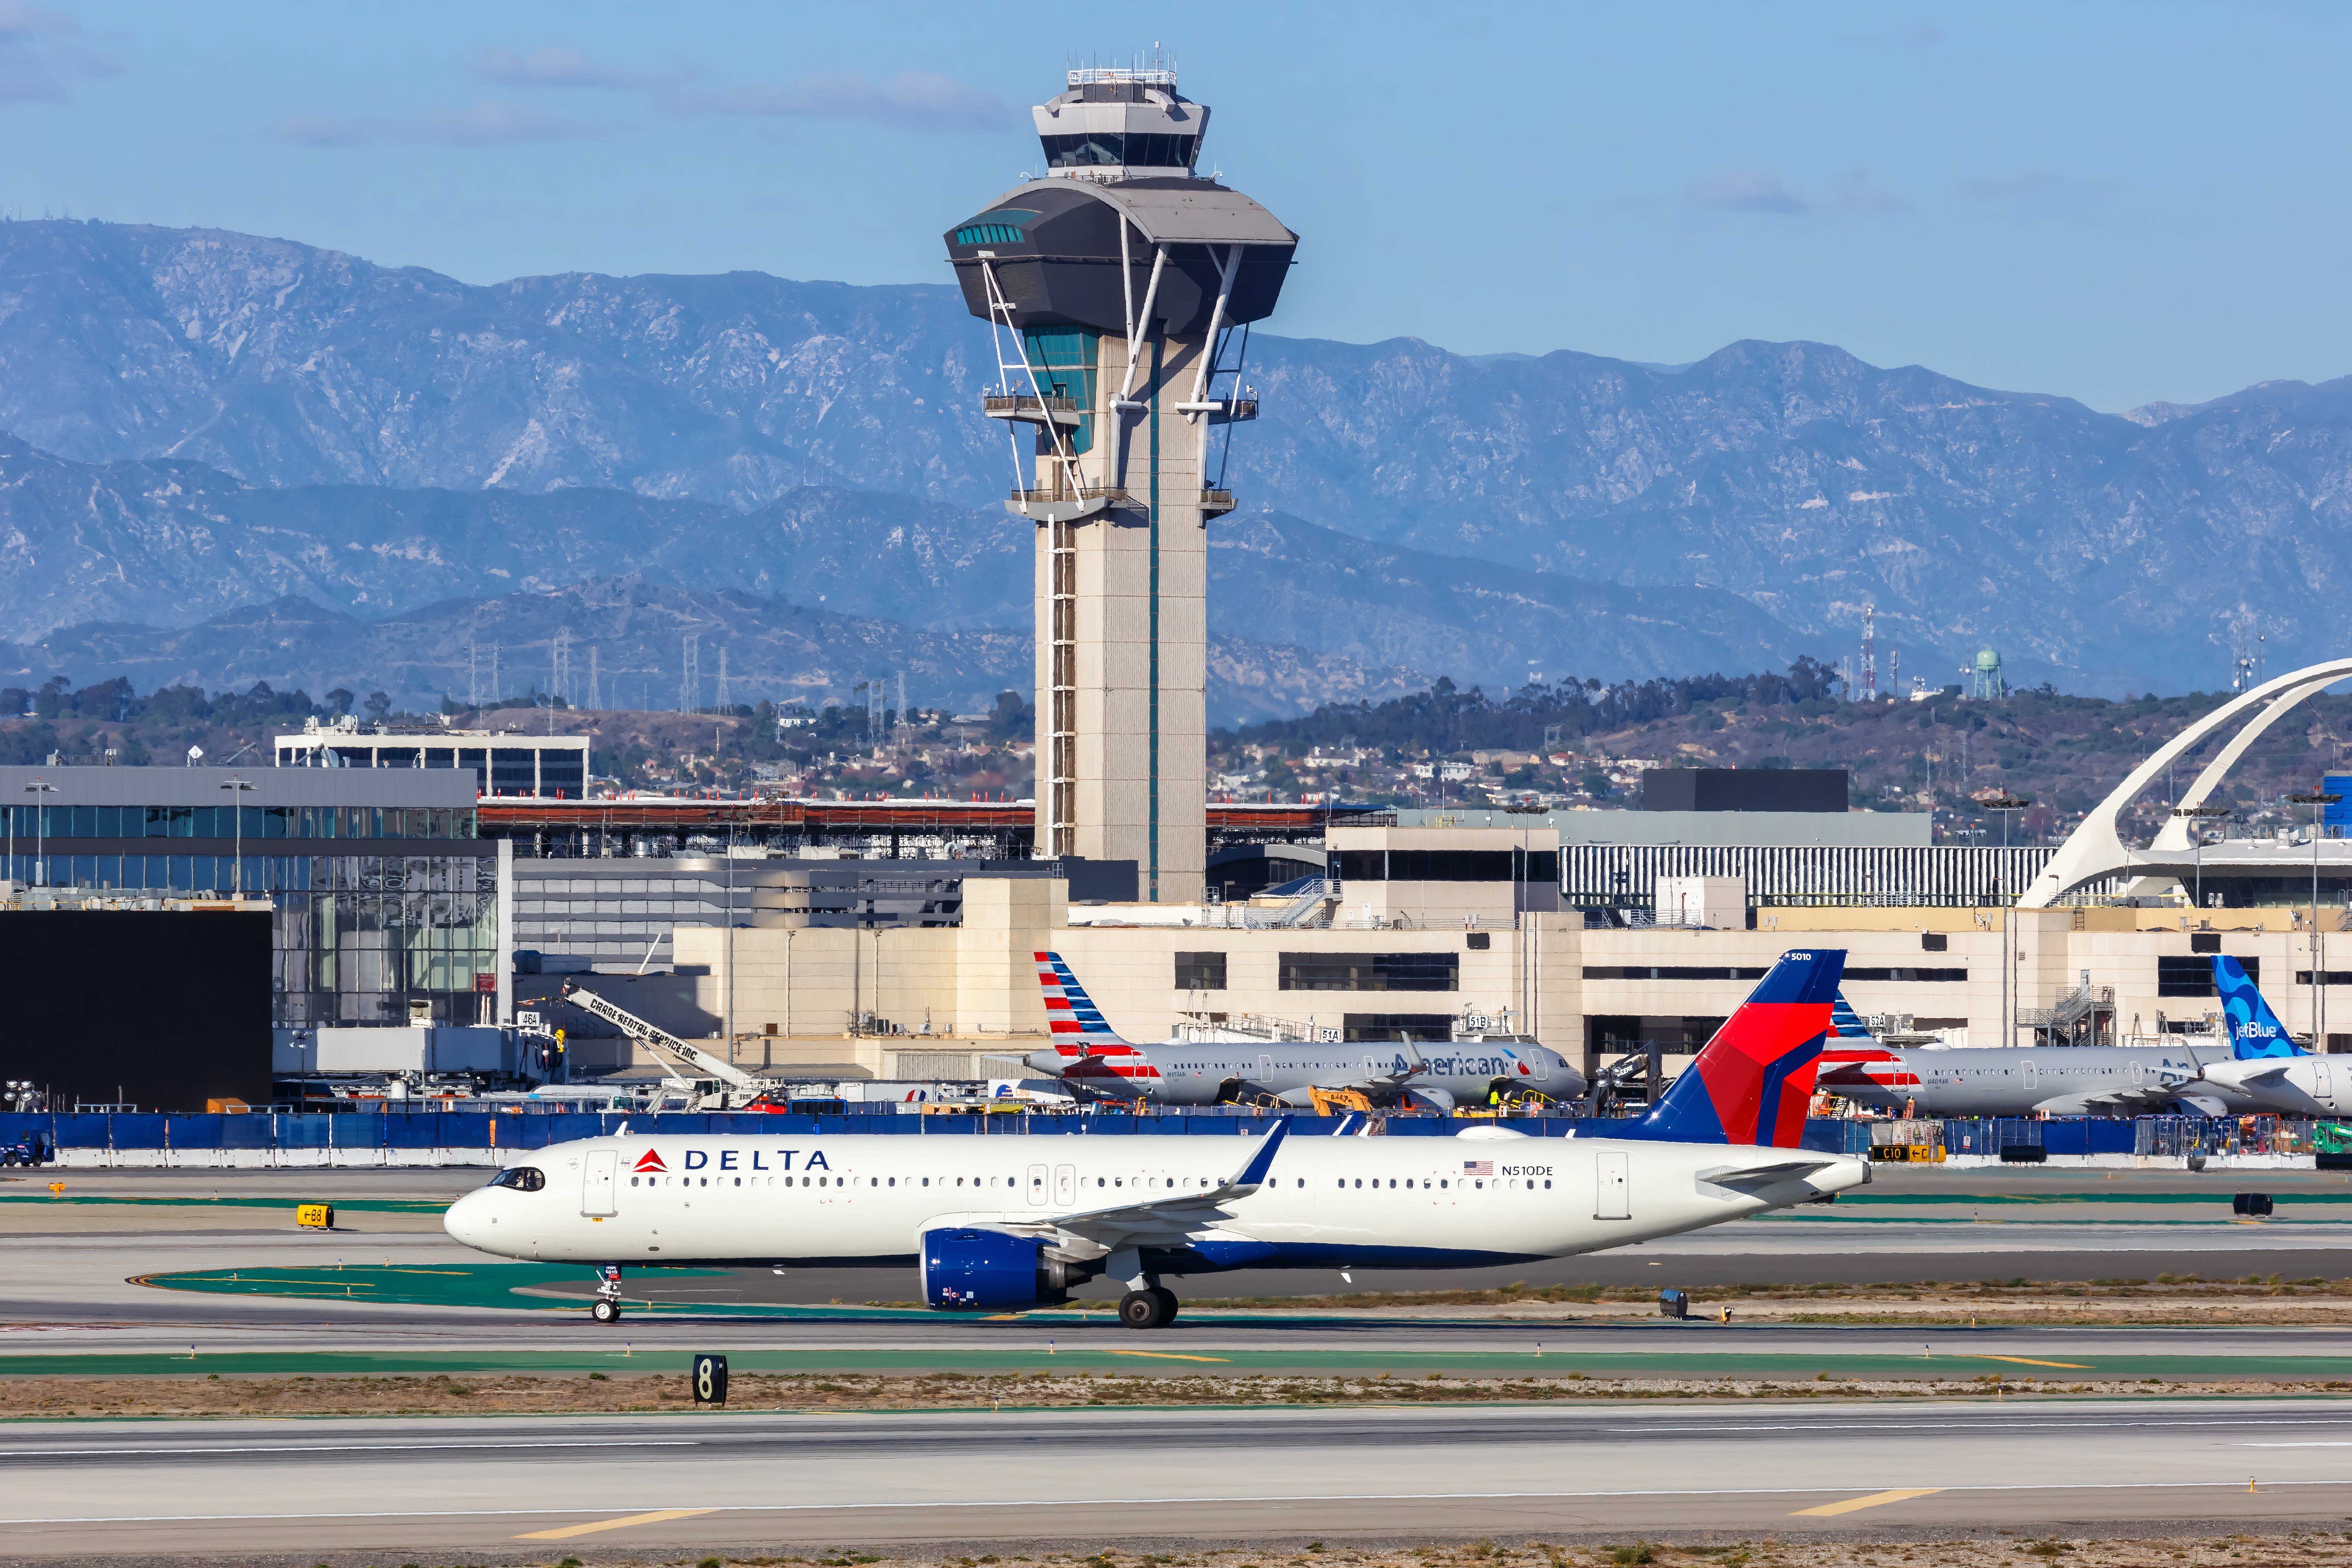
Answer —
1252 1175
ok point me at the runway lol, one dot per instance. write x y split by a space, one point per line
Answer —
744 1481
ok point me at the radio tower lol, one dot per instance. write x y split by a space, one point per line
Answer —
722 681
1118 287
1870 653
595 686
689 672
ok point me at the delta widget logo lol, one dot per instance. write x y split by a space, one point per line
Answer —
650 1160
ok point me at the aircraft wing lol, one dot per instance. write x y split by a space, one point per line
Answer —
2123 1102
1755 1178
1160 1220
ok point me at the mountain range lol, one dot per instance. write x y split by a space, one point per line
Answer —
207 421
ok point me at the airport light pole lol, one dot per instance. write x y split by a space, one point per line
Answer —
2199 814
2003 805
2318 1019
40 830
237 788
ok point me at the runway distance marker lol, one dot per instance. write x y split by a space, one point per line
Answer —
657 1517
1875 1499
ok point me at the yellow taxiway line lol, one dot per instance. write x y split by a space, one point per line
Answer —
1875 1499
569 1531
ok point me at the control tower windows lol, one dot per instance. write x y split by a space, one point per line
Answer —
1064 359
1114 149
1001 226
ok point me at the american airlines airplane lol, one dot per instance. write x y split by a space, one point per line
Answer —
1002 1225
1089 1053
2072 1080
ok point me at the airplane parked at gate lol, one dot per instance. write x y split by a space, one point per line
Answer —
1087 1052
2267 1067
1006 1223
2073 1081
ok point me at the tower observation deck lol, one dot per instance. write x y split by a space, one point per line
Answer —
1120 287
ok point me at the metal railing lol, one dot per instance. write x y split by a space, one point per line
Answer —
1076 492
1026 405
2070 1009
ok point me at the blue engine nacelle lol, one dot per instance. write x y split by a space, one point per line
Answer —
989 1270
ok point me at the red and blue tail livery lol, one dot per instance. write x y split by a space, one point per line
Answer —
1753 1080
1070 1015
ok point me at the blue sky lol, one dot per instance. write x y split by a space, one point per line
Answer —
2117 203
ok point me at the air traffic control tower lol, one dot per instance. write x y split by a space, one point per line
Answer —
1120 286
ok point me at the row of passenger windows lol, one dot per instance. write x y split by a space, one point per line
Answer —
1343 1183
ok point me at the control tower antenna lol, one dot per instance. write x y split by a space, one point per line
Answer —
1118 289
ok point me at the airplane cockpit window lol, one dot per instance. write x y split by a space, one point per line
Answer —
521 1178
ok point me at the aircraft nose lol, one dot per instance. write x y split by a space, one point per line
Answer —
468 1221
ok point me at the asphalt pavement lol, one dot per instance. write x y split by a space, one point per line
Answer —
744 1481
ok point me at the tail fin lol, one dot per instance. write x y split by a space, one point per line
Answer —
1847 1025
1070 1015
1752 1081
2254 1029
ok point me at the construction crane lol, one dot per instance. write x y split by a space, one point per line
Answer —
722 1085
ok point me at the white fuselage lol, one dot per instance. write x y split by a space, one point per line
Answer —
1200 1072
865 1199
2304 1085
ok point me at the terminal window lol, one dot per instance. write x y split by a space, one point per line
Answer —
1199 972
1370 970
1377 1029
2191 974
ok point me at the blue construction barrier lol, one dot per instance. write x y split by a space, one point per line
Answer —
420 1131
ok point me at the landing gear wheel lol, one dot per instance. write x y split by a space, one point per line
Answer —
607 1311
1146 1309
1168 1302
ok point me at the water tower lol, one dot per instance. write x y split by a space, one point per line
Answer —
1120 286
1985 678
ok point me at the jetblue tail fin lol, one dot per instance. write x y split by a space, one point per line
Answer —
2254 1029
1070 1015
1753 1080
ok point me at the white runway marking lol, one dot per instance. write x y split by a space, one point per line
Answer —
1154 1501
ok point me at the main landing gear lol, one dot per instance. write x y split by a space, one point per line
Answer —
608 1307
1152 1307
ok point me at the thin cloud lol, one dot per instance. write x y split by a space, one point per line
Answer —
488 123
553 65
913 99
1749 191
1754 191
37 44
1857 192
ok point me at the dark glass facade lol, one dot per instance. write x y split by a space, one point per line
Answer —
382 895
1370 971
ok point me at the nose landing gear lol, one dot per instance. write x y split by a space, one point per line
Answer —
608 1306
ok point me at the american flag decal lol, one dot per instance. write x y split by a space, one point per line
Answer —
1478 1167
